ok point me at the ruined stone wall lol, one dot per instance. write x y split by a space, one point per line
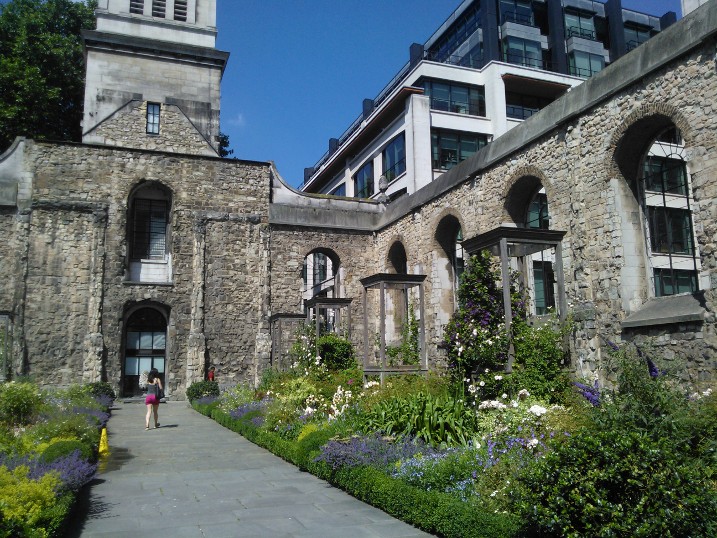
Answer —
79 296
290 245
604 258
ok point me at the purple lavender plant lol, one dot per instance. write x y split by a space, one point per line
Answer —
591 394
246 408
73 469
374 451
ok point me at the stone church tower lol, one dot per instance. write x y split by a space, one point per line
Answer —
153 76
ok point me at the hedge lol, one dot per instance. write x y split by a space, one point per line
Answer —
434 512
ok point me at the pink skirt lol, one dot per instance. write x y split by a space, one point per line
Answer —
151 399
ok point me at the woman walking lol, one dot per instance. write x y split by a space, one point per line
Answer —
154 386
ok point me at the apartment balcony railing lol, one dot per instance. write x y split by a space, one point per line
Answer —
471 108
583 72
584 33
527 61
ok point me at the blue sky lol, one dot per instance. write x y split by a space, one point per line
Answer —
300 69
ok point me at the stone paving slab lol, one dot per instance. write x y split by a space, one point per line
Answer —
193 478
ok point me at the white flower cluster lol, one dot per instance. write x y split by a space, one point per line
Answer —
339 402
537 410
492 404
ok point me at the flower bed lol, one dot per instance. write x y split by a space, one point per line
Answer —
637 460
48 451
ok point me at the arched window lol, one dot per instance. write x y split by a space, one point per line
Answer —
542 288
148 226
319 274
665 196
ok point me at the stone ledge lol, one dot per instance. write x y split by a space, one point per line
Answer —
668 310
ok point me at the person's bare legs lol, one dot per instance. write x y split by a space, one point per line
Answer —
149 414
155 408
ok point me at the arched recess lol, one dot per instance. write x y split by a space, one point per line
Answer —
149 224
652 180
144 346
527 206
320 274
524 190
448 260
397 260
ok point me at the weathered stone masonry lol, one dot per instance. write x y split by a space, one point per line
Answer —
239 235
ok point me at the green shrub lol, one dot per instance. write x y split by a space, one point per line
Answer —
236 396
64 426
618 483
64 447
25 503
19 403
101 388
438 420
200 389
336 352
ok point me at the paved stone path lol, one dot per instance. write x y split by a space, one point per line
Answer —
194 478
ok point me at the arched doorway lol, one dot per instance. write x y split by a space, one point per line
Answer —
145 348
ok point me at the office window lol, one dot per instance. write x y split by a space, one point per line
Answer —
665 197
448 148
518 11
340 190
136 7
538 213
579 24
673 281
522 52
543 286
665 175
464 26
584 64
153 118
636 35
521 107
452 97
159 8
394 158
363 181
670 230
180 10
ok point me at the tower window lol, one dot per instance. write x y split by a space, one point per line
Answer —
153 118
136 7
159 8
180 10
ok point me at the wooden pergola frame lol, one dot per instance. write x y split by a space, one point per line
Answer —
512 242
382 282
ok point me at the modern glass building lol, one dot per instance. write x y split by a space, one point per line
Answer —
491 65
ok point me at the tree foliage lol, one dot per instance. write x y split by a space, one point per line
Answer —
42 68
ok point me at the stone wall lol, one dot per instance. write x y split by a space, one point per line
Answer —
78 295
127 128
582 163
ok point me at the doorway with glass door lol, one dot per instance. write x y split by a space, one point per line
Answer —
145 349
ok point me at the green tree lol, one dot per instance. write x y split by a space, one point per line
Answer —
42 68
224 150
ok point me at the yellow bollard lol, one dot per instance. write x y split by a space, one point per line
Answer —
104 445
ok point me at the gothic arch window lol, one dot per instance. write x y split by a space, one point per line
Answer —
665 196
320 274
145 348
148 226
